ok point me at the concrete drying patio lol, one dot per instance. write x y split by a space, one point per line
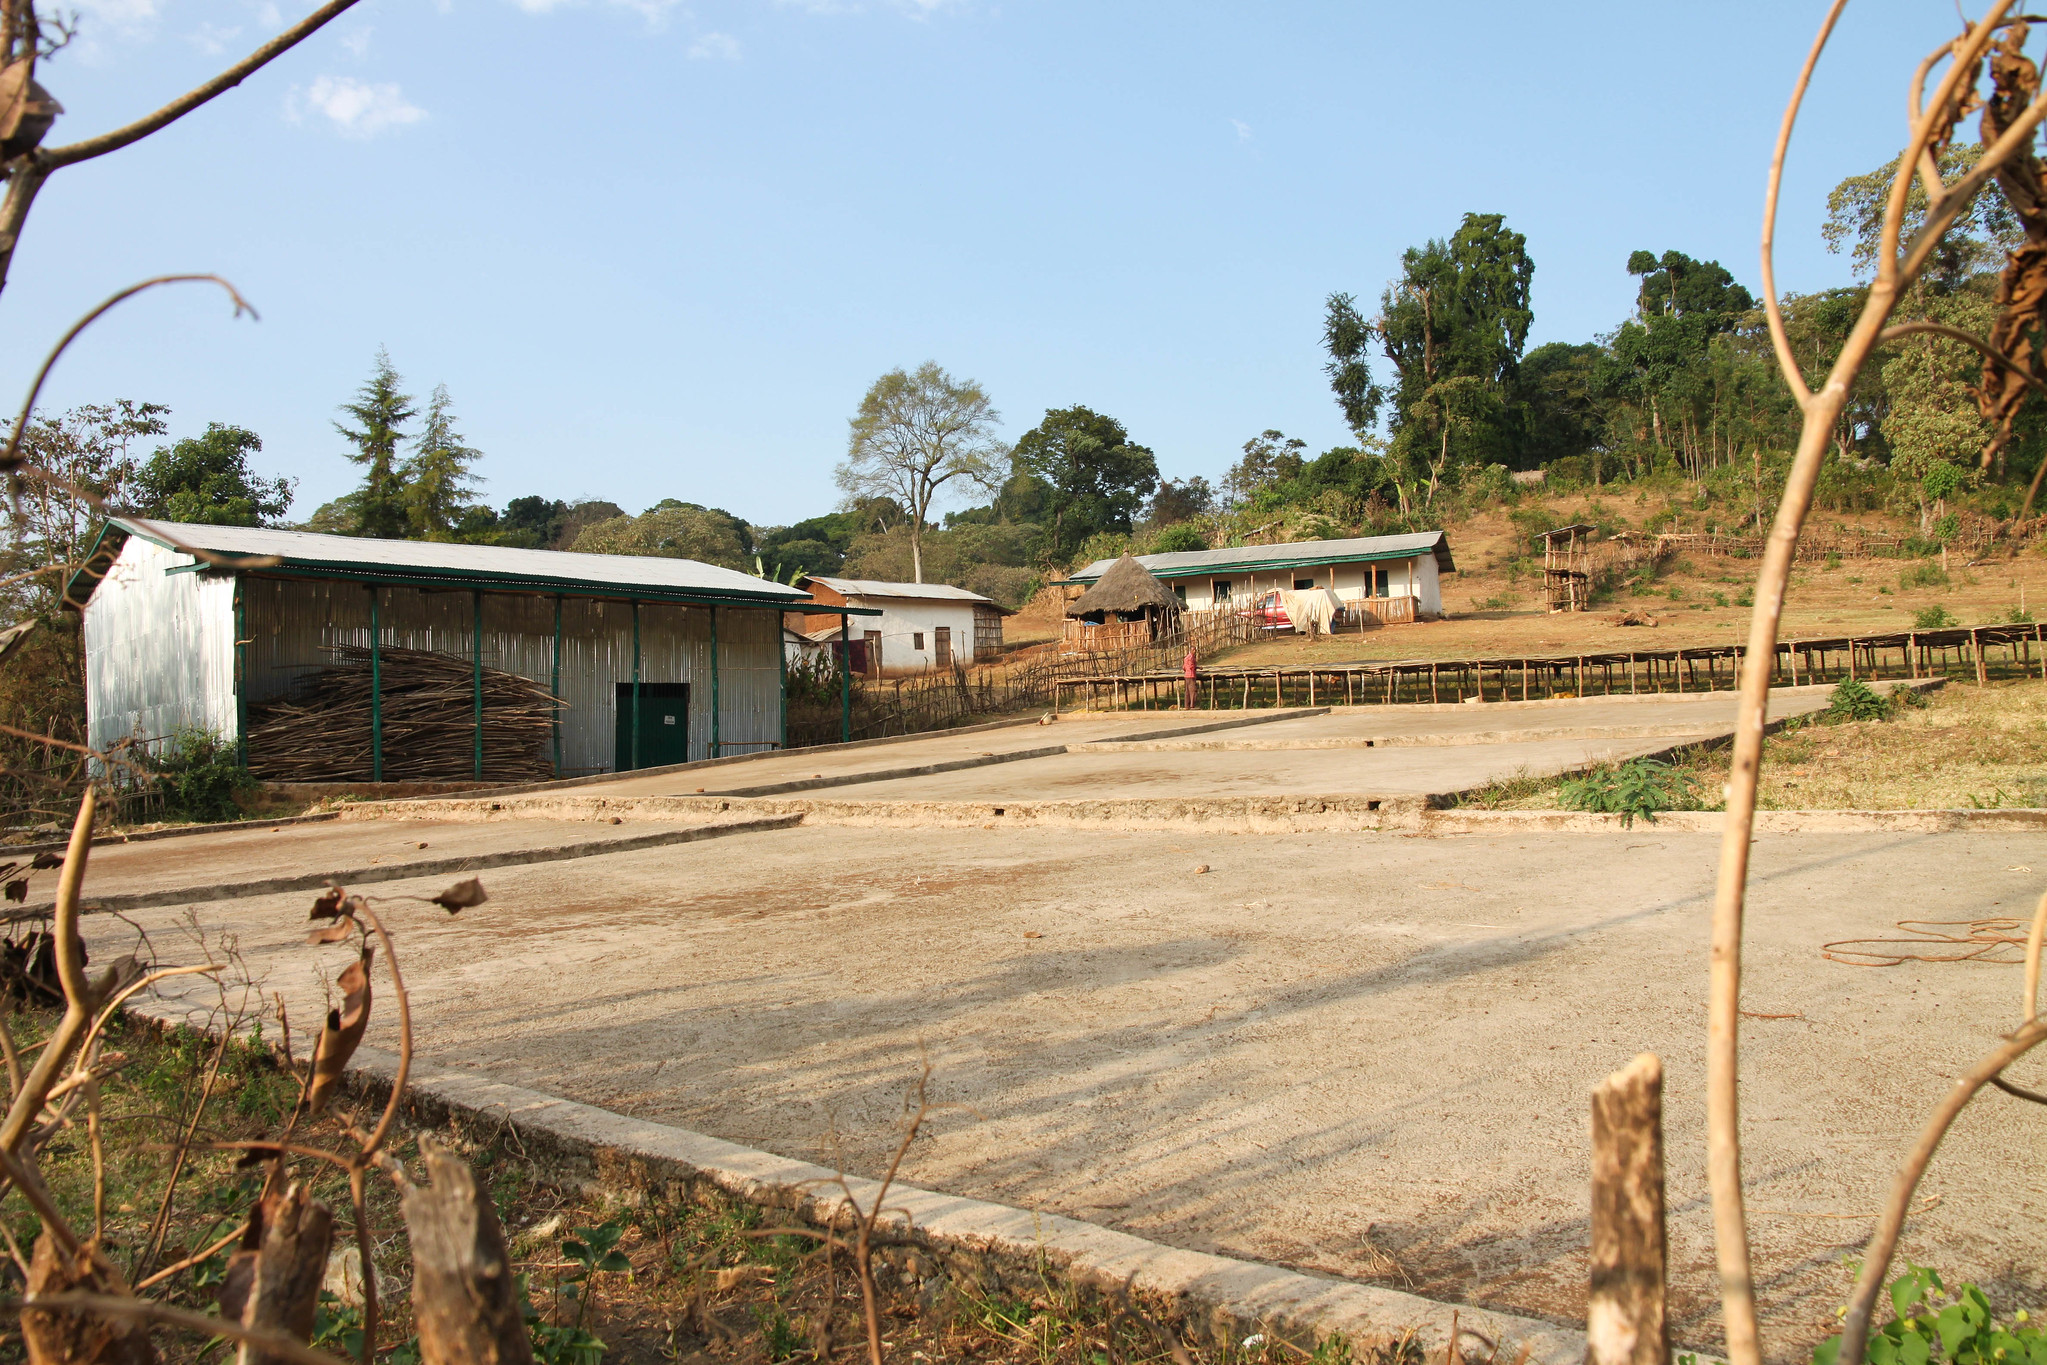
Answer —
1366 753
1363 1054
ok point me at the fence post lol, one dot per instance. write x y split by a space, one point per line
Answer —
1624 1317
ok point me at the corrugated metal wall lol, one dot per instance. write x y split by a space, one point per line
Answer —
159 649
296 624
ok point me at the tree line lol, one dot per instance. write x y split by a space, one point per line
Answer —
1448 408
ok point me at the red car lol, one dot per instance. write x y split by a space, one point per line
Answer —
1268 612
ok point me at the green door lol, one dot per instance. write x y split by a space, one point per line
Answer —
664 725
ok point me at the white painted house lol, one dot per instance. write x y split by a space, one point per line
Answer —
922 626
1392 577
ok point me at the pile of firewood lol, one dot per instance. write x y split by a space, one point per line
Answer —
321 733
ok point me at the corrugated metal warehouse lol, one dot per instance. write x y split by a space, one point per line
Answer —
173 642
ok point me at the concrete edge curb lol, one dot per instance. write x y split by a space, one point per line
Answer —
148 836
1455 821
400 872
1214 1296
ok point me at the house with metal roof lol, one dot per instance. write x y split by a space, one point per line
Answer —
641 660
1393 578
912 627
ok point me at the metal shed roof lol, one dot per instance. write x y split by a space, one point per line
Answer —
1300 554
423 563
874 587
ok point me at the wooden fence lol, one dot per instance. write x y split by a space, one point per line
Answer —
1980 652
946 697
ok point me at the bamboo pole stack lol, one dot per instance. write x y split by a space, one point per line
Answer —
321 733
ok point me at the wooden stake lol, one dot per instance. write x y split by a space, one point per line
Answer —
1624 1318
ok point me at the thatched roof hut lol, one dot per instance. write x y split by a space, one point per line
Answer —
1128 592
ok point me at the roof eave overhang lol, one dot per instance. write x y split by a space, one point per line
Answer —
275 566
1441 551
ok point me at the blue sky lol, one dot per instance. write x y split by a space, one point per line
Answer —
659 249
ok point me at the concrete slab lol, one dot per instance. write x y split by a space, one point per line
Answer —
122 871
803 770
1368 1055
1102 772
1493 722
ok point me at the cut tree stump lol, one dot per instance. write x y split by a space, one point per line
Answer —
1624 1315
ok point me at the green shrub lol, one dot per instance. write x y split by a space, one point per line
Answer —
1179 539
2019 616
1929 1324
1641 786
1935 617
1924 574
197 776
1855 700
1909 698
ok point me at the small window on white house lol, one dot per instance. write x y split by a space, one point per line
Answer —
1222 589
916 639
1303 584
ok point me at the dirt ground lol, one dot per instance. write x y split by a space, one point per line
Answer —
1969 748
1495 609
1368 1055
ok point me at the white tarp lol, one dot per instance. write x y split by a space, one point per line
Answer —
1311 610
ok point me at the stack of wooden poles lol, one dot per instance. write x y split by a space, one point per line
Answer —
321 733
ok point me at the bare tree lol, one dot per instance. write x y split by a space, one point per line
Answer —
27 110
2012 113
915 433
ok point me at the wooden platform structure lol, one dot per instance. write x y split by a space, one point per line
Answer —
1567 567
1979 652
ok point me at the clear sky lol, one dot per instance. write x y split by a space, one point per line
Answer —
659 249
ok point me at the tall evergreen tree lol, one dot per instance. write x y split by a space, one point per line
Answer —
438 485
381 411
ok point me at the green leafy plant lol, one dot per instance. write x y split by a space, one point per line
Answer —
1924 574
1909 698
1641 786
197 775
1929 1324
1856 700
2019 616
1935 617
779 1335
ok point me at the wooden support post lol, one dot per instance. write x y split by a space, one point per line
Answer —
1433 696
717 747
554 691
1524 680
1311 687
1851 661
1976 648
2041 640
634 753
1581 675
1624 1311
377 690
476 683
1349 678
1247 691
845 677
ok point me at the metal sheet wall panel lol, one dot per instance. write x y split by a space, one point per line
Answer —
297 624
159 650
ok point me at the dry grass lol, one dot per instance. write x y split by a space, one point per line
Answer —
1972 747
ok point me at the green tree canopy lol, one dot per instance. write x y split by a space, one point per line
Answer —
1095 477
672 529
207 479
1454 325
380 411
438 483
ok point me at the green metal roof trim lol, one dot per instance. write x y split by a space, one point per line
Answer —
85 579
1300 555
436 564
